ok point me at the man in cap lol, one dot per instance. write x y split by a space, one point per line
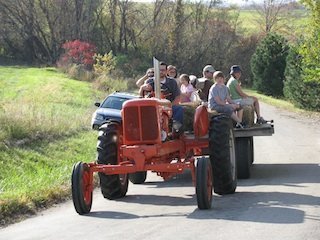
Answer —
204 83
238 96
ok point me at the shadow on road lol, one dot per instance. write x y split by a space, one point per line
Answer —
160 200
122 215
283 174
266 207
261 174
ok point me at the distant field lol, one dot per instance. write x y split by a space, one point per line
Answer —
294 24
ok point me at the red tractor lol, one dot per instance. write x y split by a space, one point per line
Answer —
145 140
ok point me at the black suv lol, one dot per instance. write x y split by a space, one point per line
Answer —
110 108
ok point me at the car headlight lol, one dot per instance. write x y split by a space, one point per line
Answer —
99 117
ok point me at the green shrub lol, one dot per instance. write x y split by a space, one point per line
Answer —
303 93
104 64
268 65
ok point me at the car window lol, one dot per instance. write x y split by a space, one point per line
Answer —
113 102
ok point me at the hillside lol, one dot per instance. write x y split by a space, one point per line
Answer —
44 130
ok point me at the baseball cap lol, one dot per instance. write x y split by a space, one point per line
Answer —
235 68
208 68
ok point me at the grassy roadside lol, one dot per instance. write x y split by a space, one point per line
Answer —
40 103
38 175
44 129
281 103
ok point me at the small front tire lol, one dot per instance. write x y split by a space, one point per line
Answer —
204 183
81 185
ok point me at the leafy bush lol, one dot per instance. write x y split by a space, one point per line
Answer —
310 48
79 53
302 93
302 85
104 64
268 65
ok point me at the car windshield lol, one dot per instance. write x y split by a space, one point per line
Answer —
113 102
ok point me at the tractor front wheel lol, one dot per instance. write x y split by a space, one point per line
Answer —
81 185
204 183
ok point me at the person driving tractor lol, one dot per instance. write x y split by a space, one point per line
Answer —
170 90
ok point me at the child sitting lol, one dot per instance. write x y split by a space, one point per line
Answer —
186 88
219 100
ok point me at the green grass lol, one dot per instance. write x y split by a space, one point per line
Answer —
37 103
38 175
44 129
280 103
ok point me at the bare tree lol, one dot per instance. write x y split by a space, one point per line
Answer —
271 14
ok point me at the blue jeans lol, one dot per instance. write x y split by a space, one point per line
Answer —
177 113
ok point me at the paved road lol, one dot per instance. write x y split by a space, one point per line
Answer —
280 201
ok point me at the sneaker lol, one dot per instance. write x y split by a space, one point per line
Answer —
260 120
239 125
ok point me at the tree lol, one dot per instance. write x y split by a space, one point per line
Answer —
271 13
34 30
302 85
310 49
268 65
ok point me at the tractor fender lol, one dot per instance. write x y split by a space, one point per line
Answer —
201 121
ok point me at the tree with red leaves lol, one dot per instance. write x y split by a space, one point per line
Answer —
79 52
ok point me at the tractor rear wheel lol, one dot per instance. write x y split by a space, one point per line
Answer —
116 185
138 177
204 183
81 186
222 154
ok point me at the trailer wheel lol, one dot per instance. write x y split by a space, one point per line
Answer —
204 183
244 157
116 185
251 150
138 177
222 154
81 186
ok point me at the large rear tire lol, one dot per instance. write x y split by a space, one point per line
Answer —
222 155
112 186
81 187
244 157
204 183
138 177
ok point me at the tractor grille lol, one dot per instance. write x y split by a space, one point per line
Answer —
141 125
